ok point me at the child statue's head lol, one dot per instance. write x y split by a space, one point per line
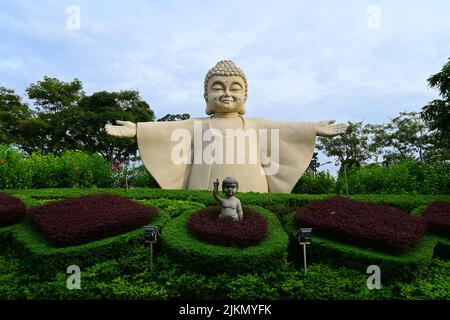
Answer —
225 89
230 186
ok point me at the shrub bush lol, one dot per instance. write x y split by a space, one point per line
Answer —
362 223
321 183
14 169
180 245
12 210
89 218
140 177
71 169
437 217
207 226
407 176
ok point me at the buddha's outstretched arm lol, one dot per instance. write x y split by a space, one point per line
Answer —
125 129
327 128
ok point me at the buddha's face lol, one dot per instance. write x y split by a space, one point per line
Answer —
225 94
230 189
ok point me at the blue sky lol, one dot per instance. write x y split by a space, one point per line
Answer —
304 60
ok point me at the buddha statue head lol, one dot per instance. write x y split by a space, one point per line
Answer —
225 89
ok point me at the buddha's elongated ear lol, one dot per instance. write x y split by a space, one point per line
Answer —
208 110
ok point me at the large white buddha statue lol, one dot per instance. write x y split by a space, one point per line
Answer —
263 155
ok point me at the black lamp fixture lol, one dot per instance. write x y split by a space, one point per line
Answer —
303 236
151 235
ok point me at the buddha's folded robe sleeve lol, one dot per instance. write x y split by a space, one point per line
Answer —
157 150
295 151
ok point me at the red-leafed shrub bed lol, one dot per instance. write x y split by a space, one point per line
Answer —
437 217
12 210
207 226
89 218
362 224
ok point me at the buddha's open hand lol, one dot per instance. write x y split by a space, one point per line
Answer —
126 129
328 129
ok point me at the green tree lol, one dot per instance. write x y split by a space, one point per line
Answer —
84 123
68 119
437 112
13 114
52 97
351 148
406 136
175 117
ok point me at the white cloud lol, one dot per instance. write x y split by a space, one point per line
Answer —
315 57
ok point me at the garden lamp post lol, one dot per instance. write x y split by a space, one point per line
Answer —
304 237
151 235
321 164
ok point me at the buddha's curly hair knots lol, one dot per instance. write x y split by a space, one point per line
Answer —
225 68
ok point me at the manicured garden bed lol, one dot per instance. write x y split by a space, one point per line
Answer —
330 251
206 226
89 218
42 258
184 269
363 224
181 246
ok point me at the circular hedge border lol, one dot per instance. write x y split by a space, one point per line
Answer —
181 246
206 225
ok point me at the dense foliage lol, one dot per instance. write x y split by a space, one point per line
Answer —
207 226
360 223
406 176
436 112
437 216
118 267
12 210
89 218
70 169
315 183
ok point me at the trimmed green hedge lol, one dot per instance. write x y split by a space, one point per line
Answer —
405 203
204 257
34 249
41 258
172 203
278 203
398 267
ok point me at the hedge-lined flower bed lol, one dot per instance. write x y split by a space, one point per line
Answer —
207 226
89 218
437 217
362 223
197 255
12 210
